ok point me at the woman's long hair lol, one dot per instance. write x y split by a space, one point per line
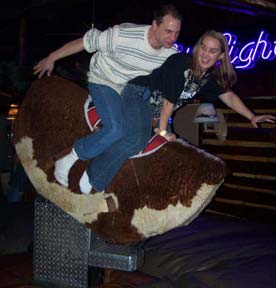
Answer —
223 70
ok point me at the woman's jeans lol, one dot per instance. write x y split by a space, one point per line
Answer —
136 114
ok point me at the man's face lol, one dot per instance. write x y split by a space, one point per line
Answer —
167 32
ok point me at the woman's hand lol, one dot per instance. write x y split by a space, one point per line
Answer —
262 118
168 135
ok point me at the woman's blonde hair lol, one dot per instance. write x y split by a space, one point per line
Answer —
223 70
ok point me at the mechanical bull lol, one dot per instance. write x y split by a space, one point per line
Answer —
149 195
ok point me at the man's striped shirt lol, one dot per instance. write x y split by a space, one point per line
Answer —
122 53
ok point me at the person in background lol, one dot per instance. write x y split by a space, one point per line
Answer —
12 174
122 53
208 74
5 165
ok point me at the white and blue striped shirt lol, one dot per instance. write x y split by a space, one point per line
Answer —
122 53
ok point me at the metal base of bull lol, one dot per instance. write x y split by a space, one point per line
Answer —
65 250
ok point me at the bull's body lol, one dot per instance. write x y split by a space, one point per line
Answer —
151 194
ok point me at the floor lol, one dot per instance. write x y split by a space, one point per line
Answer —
16 243
16 272
16 246
16 230
225 251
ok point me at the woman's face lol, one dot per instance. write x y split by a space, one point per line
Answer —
209 53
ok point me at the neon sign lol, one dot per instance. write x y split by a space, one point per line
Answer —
246 55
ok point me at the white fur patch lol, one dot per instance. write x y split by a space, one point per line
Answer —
150 222
85 208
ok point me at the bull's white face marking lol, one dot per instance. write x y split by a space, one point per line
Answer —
150 222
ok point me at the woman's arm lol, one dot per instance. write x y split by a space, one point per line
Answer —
166 113
233 101
46 65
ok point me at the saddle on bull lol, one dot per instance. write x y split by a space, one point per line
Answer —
150 194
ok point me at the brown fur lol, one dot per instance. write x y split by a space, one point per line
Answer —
52 116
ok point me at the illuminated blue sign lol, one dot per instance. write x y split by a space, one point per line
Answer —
246 55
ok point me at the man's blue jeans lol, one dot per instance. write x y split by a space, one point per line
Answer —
137 115
108 104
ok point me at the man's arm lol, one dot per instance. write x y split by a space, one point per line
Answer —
46 65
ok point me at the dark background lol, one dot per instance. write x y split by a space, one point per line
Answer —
29 30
